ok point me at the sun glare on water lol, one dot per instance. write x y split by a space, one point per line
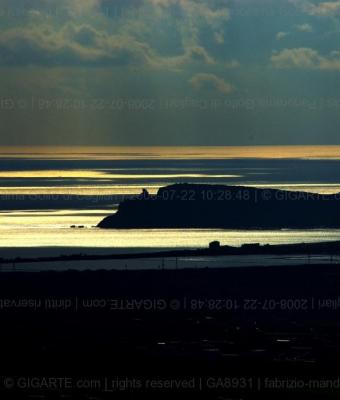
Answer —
171 152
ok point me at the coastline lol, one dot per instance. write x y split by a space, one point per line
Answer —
215 250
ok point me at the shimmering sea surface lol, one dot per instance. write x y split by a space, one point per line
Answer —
31 226
53 229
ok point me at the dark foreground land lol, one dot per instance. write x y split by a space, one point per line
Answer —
254 333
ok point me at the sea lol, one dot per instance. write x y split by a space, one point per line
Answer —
52 198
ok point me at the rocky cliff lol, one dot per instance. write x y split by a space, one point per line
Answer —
230 207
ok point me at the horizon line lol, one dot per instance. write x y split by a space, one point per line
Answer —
174 152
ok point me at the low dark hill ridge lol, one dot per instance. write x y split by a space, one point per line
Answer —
230 207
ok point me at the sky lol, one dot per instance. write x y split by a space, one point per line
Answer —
169 72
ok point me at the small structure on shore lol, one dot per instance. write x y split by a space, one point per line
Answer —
145 195
215 245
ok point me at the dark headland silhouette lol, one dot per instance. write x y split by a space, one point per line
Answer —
229 207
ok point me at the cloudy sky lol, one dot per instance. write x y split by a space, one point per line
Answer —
169 72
